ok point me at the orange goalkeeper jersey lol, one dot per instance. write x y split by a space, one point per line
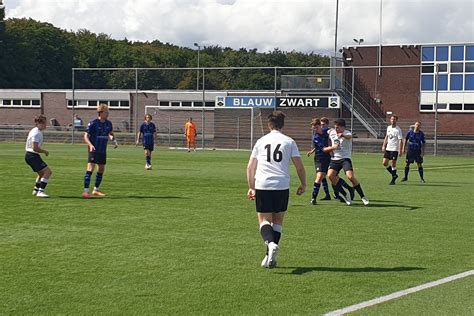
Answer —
190 129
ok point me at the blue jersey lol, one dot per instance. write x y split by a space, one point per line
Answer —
99 134
147 131
415 140
319 142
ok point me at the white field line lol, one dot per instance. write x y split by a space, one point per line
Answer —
398 294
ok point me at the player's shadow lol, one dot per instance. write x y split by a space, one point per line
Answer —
303 270
381 203
454 185
125 197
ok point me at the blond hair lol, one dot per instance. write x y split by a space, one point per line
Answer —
102 108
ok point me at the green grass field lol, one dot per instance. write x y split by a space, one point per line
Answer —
183 239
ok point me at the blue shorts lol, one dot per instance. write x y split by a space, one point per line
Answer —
98 158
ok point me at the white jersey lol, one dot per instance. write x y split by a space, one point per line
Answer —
34 136
273 153
345 145
394 135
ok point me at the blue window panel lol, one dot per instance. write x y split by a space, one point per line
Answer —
456 83
442 82
469 82
457 52
427 53
469 52
427 82
442 53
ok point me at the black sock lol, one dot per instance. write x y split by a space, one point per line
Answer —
394 173
325 186
407 170
267 233
276 237
389 169
316 187
420 171
37 185
358 188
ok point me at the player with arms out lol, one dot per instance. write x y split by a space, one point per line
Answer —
148 133
190 131
341 147
392 144
97 135
268 180
33 158
415 140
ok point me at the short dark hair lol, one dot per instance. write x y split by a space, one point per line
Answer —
151 117
276 119
315 121
395 116
40 119
340 122
325 120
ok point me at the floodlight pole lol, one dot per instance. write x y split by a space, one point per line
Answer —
335 32
435 152
197 72
73 101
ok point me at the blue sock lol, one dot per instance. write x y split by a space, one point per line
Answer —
87 179
148 160
325 186
98 179
420 171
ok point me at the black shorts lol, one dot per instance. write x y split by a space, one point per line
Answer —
321 165
98 158
337 165
414 156
390 155
271 201
35 161
149 147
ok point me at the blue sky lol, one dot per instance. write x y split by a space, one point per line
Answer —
300 25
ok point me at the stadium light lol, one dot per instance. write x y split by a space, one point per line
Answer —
197 73
359 41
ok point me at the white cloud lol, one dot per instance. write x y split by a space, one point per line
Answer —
301 25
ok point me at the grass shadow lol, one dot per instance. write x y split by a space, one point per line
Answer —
303 270
122 197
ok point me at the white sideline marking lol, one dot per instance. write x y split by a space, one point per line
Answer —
398 294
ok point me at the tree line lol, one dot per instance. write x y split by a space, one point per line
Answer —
38 55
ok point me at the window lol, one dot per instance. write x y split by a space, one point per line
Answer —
164 103
469 52
427 69
443 82
210 104
442 67
92 103
442 53
469 107
35 102
114 103
7 102
457 52
26 102
17 102
456 67
456 82
186 103
125 103
427 82
427 53
469 82
426 107
469 67
442 106
104 102
455 107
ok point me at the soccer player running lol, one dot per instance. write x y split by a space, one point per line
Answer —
391 146
190 131
341 147
415 140
268 180
98 133
147 132
33 158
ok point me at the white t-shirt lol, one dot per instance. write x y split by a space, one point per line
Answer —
345 145
273 153
34 136
394 135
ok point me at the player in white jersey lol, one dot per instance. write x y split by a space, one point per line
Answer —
33 158
268 179
391 147
341 148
